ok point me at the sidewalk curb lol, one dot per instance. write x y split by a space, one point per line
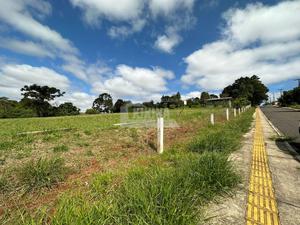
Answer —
288 146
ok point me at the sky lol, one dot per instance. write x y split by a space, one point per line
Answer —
140 50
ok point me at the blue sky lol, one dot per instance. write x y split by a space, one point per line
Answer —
141 49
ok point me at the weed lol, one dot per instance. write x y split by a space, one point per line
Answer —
42 173
89 153
61 148
87 132
4 184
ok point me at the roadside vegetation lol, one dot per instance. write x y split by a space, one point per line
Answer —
151 189
291 98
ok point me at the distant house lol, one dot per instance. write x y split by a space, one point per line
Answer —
225 101
138 107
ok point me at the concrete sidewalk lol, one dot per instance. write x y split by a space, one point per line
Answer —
285 171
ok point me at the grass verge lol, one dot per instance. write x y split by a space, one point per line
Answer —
170 189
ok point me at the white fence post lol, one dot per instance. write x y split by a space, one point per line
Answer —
239 111
160 135
212 119
234 112
227 114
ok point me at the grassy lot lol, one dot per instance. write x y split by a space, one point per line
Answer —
97 173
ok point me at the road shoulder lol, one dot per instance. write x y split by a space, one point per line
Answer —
286 177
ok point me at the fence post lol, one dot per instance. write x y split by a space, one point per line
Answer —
239 111
234 112
212 119
227 114
160 135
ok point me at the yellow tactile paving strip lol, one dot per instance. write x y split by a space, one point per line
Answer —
261 206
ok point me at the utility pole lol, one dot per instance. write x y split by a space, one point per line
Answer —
298 82
280 91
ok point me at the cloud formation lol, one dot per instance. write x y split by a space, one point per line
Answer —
135 82
136 14
259 39
15 76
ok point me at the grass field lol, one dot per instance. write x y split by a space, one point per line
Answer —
94 159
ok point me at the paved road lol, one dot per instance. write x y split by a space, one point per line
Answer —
286 120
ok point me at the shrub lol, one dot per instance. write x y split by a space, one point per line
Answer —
91 111
42 173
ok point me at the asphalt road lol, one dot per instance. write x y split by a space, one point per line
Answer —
286 120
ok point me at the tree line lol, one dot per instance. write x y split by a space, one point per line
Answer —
36 100
291 97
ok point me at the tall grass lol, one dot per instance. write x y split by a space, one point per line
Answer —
224 137
42 173
169 192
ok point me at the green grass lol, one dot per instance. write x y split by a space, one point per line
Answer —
170 189
60 148
221 137
42 173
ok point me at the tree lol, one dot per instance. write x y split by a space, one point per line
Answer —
13 109
67 109
38 97
204 96
171 101
118 105
213 96
250 88
91 111
150 104
291 97
103 103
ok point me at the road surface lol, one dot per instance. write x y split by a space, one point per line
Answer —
286 120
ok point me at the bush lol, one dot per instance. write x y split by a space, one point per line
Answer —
42 173
91 111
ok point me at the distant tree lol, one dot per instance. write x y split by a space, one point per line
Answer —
250 88
38 97
291 97
91 111
104 103
204 96
171 101
149 104
118 105
13 109
67 109
213 96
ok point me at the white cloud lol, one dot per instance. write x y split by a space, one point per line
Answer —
18 15
137 83
137 13
264 23
192 94
120 10
81 100
14 77
167 7
167 43
25 47
124 31
274 57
